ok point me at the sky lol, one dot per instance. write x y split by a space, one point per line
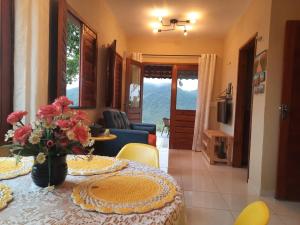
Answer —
187 85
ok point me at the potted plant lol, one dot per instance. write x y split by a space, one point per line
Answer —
57 131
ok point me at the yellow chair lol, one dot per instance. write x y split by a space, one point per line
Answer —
146 154
256 213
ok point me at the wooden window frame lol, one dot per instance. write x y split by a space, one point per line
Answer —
59 12
6 63
113 91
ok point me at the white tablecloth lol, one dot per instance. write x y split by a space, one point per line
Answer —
36 206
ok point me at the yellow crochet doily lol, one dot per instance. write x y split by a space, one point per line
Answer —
83 165
5 195
124 193
10 169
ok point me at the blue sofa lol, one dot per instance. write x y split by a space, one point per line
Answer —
126 132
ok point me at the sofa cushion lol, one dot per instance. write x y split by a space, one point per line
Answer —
125 120
152 139
113 119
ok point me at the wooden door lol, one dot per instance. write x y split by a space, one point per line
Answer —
288 174
182 117
57 49
117 84
88 74
242 126
110 74
134 90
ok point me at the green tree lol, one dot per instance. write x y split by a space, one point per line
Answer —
73 52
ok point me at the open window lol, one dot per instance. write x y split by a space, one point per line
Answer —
74 28
187 89
134 90
73 57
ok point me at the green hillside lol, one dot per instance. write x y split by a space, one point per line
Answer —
157 99
73 94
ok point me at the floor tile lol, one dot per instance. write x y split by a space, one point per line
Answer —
285 208
287 220
175 173
233 185
239 202
201 216
204 200
216 194
198 180
274 219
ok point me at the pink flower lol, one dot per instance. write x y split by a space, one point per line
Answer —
50 143
81 134
63 102
77 150
48 111
64 142
64 124
80 116
22 134
15 117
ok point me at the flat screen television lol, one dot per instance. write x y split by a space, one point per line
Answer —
224 111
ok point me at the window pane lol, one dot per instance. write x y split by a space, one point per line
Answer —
156 101
134 88
73 60
187 91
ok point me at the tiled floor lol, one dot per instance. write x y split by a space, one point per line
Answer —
215 194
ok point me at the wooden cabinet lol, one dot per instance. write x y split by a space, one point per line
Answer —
211 140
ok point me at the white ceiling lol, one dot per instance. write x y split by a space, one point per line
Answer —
218 16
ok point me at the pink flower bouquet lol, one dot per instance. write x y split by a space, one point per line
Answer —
57 130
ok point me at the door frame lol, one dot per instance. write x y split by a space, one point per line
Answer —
284 189
173 87
173 109
7 16
240 108
127 83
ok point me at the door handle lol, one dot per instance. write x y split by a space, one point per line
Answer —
284 109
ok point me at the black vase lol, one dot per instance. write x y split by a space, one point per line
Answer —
58 171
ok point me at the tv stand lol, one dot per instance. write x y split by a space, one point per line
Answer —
211 140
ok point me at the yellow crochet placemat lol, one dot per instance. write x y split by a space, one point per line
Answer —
83 165
124 193
5 195
10 169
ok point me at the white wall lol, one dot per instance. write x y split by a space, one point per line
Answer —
281 12
255 20
268 18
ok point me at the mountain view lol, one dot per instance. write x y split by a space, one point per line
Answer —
157 100
73 94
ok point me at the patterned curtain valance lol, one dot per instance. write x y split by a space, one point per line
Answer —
158 71
187 74
165 72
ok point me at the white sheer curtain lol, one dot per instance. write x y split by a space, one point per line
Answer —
206 73
31 55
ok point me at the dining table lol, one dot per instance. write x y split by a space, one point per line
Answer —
40 206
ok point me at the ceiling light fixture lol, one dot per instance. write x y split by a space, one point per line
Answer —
185 32
172 25
193 17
